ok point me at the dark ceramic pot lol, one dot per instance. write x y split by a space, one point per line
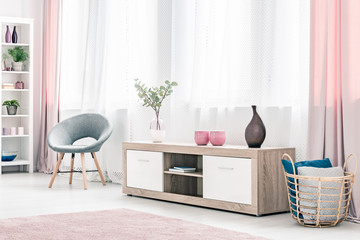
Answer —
255 132
11 110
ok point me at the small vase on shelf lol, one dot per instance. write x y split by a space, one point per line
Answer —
7 35
19 85
14 36
157 129
255 132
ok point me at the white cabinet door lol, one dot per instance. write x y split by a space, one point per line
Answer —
227 179
145 170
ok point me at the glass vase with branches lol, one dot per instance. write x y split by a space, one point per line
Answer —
154 96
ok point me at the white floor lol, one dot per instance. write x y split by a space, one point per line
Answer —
23 194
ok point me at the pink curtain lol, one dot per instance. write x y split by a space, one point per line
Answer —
334 114
49 99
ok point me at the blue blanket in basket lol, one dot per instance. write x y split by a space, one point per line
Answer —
288 167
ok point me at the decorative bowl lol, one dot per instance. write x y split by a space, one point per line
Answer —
201 137
217 138
8 156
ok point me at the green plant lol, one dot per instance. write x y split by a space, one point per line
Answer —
9 103
154 96
5 56
18 54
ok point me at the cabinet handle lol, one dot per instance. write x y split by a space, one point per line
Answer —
143 160
226 168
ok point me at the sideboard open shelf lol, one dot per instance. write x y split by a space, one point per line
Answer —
232 178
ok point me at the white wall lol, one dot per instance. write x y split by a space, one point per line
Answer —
30 9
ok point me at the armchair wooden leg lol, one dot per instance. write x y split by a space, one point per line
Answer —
71 167
83 169
98 168
56 169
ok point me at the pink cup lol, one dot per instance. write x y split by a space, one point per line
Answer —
217 138
13 131
201 137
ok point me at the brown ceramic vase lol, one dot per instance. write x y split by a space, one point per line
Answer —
255 132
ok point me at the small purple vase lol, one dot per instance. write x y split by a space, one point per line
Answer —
7 35
19 85
14 36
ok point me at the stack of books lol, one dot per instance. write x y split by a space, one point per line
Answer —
182 169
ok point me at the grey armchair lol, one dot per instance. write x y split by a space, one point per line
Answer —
65 133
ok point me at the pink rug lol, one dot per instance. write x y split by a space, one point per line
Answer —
111 224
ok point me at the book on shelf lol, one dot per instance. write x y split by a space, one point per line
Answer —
174 169
186 168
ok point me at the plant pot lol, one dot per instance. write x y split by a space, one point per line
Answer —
157 129
11 110
17 66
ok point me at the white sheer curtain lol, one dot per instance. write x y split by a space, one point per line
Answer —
106 45
228 55
225 55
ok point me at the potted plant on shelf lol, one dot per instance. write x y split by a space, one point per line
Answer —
11 106
19 56
153 97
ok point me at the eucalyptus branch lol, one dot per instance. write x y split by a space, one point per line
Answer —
146 96
154 96
162 99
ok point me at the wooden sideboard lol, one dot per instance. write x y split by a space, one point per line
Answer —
232 178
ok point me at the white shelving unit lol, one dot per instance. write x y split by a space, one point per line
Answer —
21 144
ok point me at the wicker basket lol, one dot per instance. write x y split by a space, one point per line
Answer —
319 201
